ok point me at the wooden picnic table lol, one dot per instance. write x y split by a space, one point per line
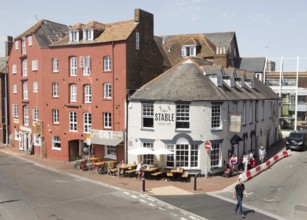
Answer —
148 171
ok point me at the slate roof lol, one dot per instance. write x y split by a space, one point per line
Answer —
116 31
46 32
254 64
188 81
221 39
3 64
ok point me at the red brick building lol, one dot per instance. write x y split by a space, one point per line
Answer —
70 84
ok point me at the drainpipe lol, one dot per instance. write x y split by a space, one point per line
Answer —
6 106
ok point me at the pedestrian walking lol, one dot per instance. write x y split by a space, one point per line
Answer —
238 193
262 154
245 161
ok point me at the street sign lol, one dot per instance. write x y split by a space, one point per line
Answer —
207 145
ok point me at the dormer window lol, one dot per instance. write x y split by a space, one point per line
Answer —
88 34
73 36
188 50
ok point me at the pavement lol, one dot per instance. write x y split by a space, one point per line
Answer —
152 187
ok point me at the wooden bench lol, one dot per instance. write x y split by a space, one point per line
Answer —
113 171
170 175
185 176
157 175
130 173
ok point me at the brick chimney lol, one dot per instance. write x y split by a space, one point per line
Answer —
8 46
146 20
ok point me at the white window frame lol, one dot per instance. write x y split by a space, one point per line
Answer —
14 69
73 66
87 122
56 143
107 91
15 89
55 116
88 94
216 117
88 34
147 115
188 50
55 90
148 158
182 116
26 115
35 87
25 90
184 155
107 63
107 120
110 152
73 122
73 36
215 154
85 63
55 65
73 92
35 114
15 111
29 40
24 67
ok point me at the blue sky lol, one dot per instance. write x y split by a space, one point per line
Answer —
272 28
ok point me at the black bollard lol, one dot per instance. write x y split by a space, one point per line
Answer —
143 184
195 181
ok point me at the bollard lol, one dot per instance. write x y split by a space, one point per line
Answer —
195 181
143 184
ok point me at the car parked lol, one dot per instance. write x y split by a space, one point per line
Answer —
297 140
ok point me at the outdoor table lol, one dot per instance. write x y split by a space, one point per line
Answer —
94 159
177 172
98 165
125 167
148 171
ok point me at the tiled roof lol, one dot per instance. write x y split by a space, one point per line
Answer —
45 32
188 81
117 31
172 46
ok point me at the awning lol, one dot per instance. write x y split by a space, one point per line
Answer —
106 141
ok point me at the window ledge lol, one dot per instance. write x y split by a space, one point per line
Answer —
57 149
216 129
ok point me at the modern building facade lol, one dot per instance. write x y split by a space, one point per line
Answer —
194 102
71 92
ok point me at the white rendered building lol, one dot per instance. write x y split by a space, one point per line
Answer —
193 103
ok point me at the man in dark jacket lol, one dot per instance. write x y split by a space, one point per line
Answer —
238 193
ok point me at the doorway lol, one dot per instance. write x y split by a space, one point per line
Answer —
74 149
